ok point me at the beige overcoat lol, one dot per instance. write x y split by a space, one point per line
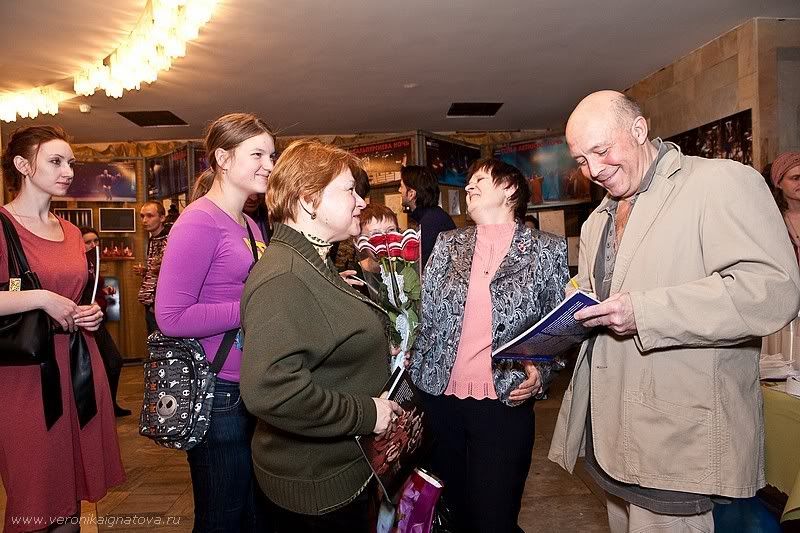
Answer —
710 270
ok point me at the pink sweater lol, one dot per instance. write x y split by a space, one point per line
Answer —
471 376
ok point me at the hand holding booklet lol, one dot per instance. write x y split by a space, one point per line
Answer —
551 335
393 454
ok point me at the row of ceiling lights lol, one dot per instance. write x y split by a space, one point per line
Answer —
159 37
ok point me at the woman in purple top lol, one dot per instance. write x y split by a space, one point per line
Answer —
200 284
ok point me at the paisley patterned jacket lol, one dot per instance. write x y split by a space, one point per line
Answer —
528 284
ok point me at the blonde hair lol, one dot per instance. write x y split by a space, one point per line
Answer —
227 132
303 170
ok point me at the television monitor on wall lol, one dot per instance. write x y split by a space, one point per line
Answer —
117 219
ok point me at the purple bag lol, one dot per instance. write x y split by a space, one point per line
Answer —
417 503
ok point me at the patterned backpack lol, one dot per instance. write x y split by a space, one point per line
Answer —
179 389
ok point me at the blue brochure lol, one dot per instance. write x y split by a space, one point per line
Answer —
553 334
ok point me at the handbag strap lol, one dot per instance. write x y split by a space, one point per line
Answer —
223 350
253 246
17 262
230 335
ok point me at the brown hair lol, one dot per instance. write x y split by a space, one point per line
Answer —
159 207
506 176
25 142
88 229
304 169
376 211
227 132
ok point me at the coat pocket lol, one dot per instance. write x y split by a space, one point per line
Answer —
663 440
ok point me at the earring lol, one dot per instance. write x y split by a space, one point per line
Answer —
312 215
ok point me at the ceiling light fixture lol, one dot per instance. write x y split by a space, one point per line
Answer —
159 37
28 104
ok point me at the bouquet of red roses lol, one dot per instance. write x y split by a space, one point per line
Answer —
398 256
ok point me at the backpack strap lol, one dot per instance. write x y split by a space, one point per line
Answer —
223 350
230 335
253 246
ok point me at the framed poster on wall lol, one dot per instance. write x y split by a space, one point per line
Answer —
172 174
117 220
383 160
82 217
727 138
550 169
449 159
112 181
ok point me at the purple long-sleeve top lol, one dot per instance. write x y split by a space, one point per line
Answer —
202 277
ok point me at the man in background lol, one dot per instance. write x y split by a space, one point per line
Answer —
420 193
153 216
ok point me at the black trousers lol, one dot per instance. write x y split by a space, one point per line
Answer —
482 452
112 359
352 518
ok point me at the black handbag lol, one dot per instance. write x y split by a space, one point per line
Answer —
25 338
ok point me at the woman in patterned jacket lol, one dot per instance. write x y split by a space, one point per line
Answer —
483 286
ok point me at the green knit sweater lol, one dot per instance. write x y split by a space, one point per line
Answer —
315 353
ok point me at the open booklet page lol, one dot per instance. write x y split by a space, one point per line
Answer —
551 335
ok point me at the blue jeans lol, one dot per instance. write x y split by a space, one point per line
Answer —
226 494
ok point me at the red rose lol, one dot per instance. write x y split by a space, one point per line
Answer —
378 245
410 251
395 249
393 237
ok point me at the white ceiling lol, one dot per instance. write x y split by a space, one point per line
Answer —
330 67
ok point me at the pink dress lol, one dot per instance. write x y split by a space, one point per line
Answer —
46 473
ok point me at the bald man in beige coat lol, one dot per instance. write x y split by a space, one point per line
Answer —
692 263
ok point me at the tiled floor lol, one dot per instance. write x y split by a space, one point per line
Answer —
157 496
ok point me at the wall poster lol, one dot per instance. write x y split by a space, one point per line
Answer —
81 217
727 138
113 181
383 160
168 175
450 160
550 169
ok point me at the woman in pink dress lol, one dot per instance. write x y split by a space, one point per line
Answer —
49 463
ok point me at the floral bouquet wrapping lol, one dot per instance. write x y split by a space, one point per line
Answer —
398 256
